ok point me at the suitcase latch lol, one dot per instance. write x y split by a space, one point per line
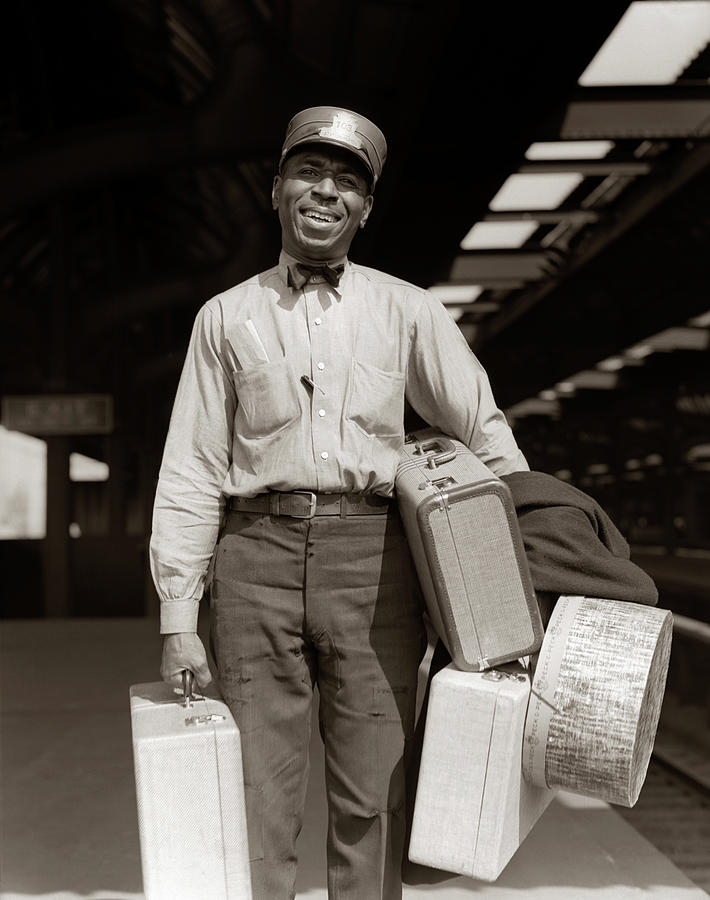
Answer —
446 481
439 485
497 675
204 720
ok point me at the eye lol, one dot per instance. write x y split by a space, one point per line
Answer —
308 171
348 181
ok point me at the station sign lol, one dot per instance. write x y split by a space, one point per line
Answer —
58 414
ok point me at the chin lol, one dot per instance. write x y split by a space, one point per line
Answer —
320 249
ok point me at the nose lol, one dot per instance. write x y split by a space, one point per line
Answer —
325 188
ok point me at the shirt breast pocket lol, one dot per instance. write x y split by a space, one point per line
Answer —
376 400
268 401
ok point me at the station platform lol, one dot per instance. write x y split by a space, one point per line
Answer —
69 825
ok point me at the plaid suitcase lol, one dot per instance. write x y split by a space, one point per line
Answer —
473 808
190 794
464 536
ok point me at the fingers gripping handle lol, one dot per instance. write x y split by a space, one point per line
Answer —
208 718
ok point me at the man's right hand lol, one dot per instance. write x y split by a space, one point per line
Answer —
181 651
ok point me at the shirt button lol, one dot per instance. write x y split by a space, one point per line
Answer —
321 413
324 455
321 366
318 320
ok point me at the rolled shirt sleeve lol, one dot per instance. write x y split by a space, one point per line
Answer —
449 389
189 503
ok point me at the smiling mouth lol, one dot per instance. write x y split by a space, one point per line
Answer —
323 218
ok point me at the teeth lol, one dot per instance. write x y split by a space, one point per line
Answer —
319 217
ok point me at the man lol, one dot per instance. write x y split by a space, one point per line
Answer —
280 463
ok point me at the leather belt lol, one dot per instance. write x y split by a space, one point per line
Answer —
306 504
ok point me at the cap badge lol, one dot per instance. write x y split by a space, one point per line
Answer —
344 129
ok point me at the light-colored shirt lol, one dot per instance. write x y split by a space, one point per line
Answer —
287 389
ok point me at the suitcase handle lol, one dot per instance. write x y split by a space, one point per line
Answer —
187 683
446 451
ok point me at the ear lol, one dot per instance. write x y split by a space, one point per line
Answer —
367 208
275 192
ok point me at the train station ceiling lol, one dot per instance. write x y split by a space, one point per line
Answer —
554 198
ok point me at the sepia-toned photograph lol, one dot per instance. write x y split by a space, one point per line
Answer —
354 450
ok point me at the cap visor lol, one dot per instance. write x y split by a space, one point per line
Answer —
312 140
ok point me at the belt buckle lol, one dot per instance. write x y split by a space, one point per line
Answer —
311 509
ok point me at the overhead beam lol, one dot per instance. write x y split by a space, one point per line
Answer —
545 216
632 207
586 167
644 113
501 267
643 279
474 311
488 122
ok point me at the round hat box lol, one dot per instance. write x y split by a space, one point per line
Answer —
596 698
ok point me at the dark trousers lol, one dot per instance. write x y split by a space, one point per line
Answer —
334 602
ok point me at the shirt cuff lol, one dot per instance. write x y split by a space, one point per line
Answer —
178 615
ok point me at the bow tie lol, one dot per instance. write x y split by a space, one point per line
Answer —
299 274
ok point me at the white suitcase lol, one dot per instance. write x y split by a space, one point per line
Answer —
190 794
473 809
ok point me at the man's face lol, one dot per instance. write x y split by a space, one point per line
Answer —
322 199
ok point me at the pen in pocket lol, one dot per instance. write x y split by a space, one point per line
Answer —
310 384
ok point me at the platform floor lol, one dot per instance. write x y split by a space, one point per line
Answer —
69 827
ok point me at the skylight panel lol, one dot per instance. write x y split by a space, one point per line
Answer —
593 379
565 387
701 321
611 364
653 42
456 293
536 191
639 351
680 339
498 234
569 149
534 406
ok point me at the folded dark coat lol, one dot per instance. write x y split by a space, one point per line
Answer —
571 544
